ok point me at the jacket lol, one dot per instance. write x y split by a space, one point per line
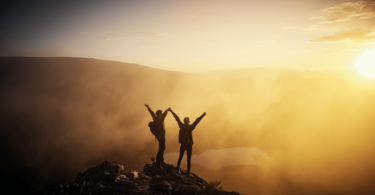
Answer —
185 136
159 121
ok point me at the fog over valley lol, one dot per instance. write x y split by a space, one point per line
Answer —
267 130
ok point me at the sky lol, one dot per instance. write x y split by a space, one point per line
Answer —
194 35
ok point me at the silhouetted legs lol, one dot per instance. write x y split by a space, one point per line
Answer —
182 151
189 150
160 155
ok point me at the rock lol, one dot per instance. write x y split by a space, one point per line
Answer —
111 178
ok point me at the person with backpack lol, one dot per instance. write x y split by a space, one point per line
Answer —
186 138
157 128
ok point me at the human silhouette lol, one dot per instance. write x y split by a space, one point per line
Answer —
186 138
159 122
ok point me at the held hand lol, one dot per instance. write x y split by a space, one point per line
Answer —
169 109
204 114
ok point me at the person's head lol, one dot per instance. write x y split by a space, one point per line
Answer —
186 120
158 113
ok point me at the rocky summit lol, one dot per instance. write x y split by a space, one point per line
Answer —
111 178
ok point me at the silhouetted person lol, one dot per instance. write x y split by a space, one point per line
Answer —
159 122
186 138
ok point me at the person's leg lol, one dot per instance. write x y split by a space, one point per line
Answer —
160 152
189 150
182 151
157 154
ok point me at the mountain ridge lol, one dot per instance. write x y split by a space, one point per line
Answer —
110 178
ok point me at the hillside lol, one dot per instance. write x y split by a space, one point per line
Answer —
60 116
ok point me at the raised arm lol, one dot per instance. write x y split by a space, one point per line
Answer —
151 112
176 117
165 113
197 121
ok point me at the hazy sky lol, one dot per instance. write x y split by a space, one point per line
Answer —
194 35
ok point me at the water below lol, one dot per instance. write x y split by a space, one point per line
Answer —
214 159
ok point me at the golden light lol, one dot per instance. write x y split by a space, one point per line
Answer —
366 63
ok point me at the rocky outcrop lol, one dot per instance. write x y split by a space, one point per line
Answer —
111 178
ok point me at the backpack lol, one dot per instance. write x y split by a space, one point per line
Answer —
153 128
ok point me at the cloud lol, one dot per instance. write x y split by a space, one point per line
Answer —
349 36
150 34
223 157
115 36
311 27
347 11
267 42
147 46
300 52
118 36
105 35
340 51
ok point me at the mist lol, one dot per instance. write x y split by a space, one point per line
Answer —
60 116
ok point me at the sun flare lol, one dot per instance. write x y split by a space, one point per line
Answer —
366 63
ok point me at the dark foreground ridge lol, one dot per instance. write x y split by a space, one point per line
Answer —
111 178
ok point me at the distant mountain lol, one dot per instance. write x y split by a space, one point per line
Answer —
59 116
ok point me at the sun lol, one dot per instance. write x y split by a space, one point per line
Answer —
366 63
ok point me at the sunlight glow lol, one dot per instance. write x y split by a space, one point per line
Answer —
366 63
